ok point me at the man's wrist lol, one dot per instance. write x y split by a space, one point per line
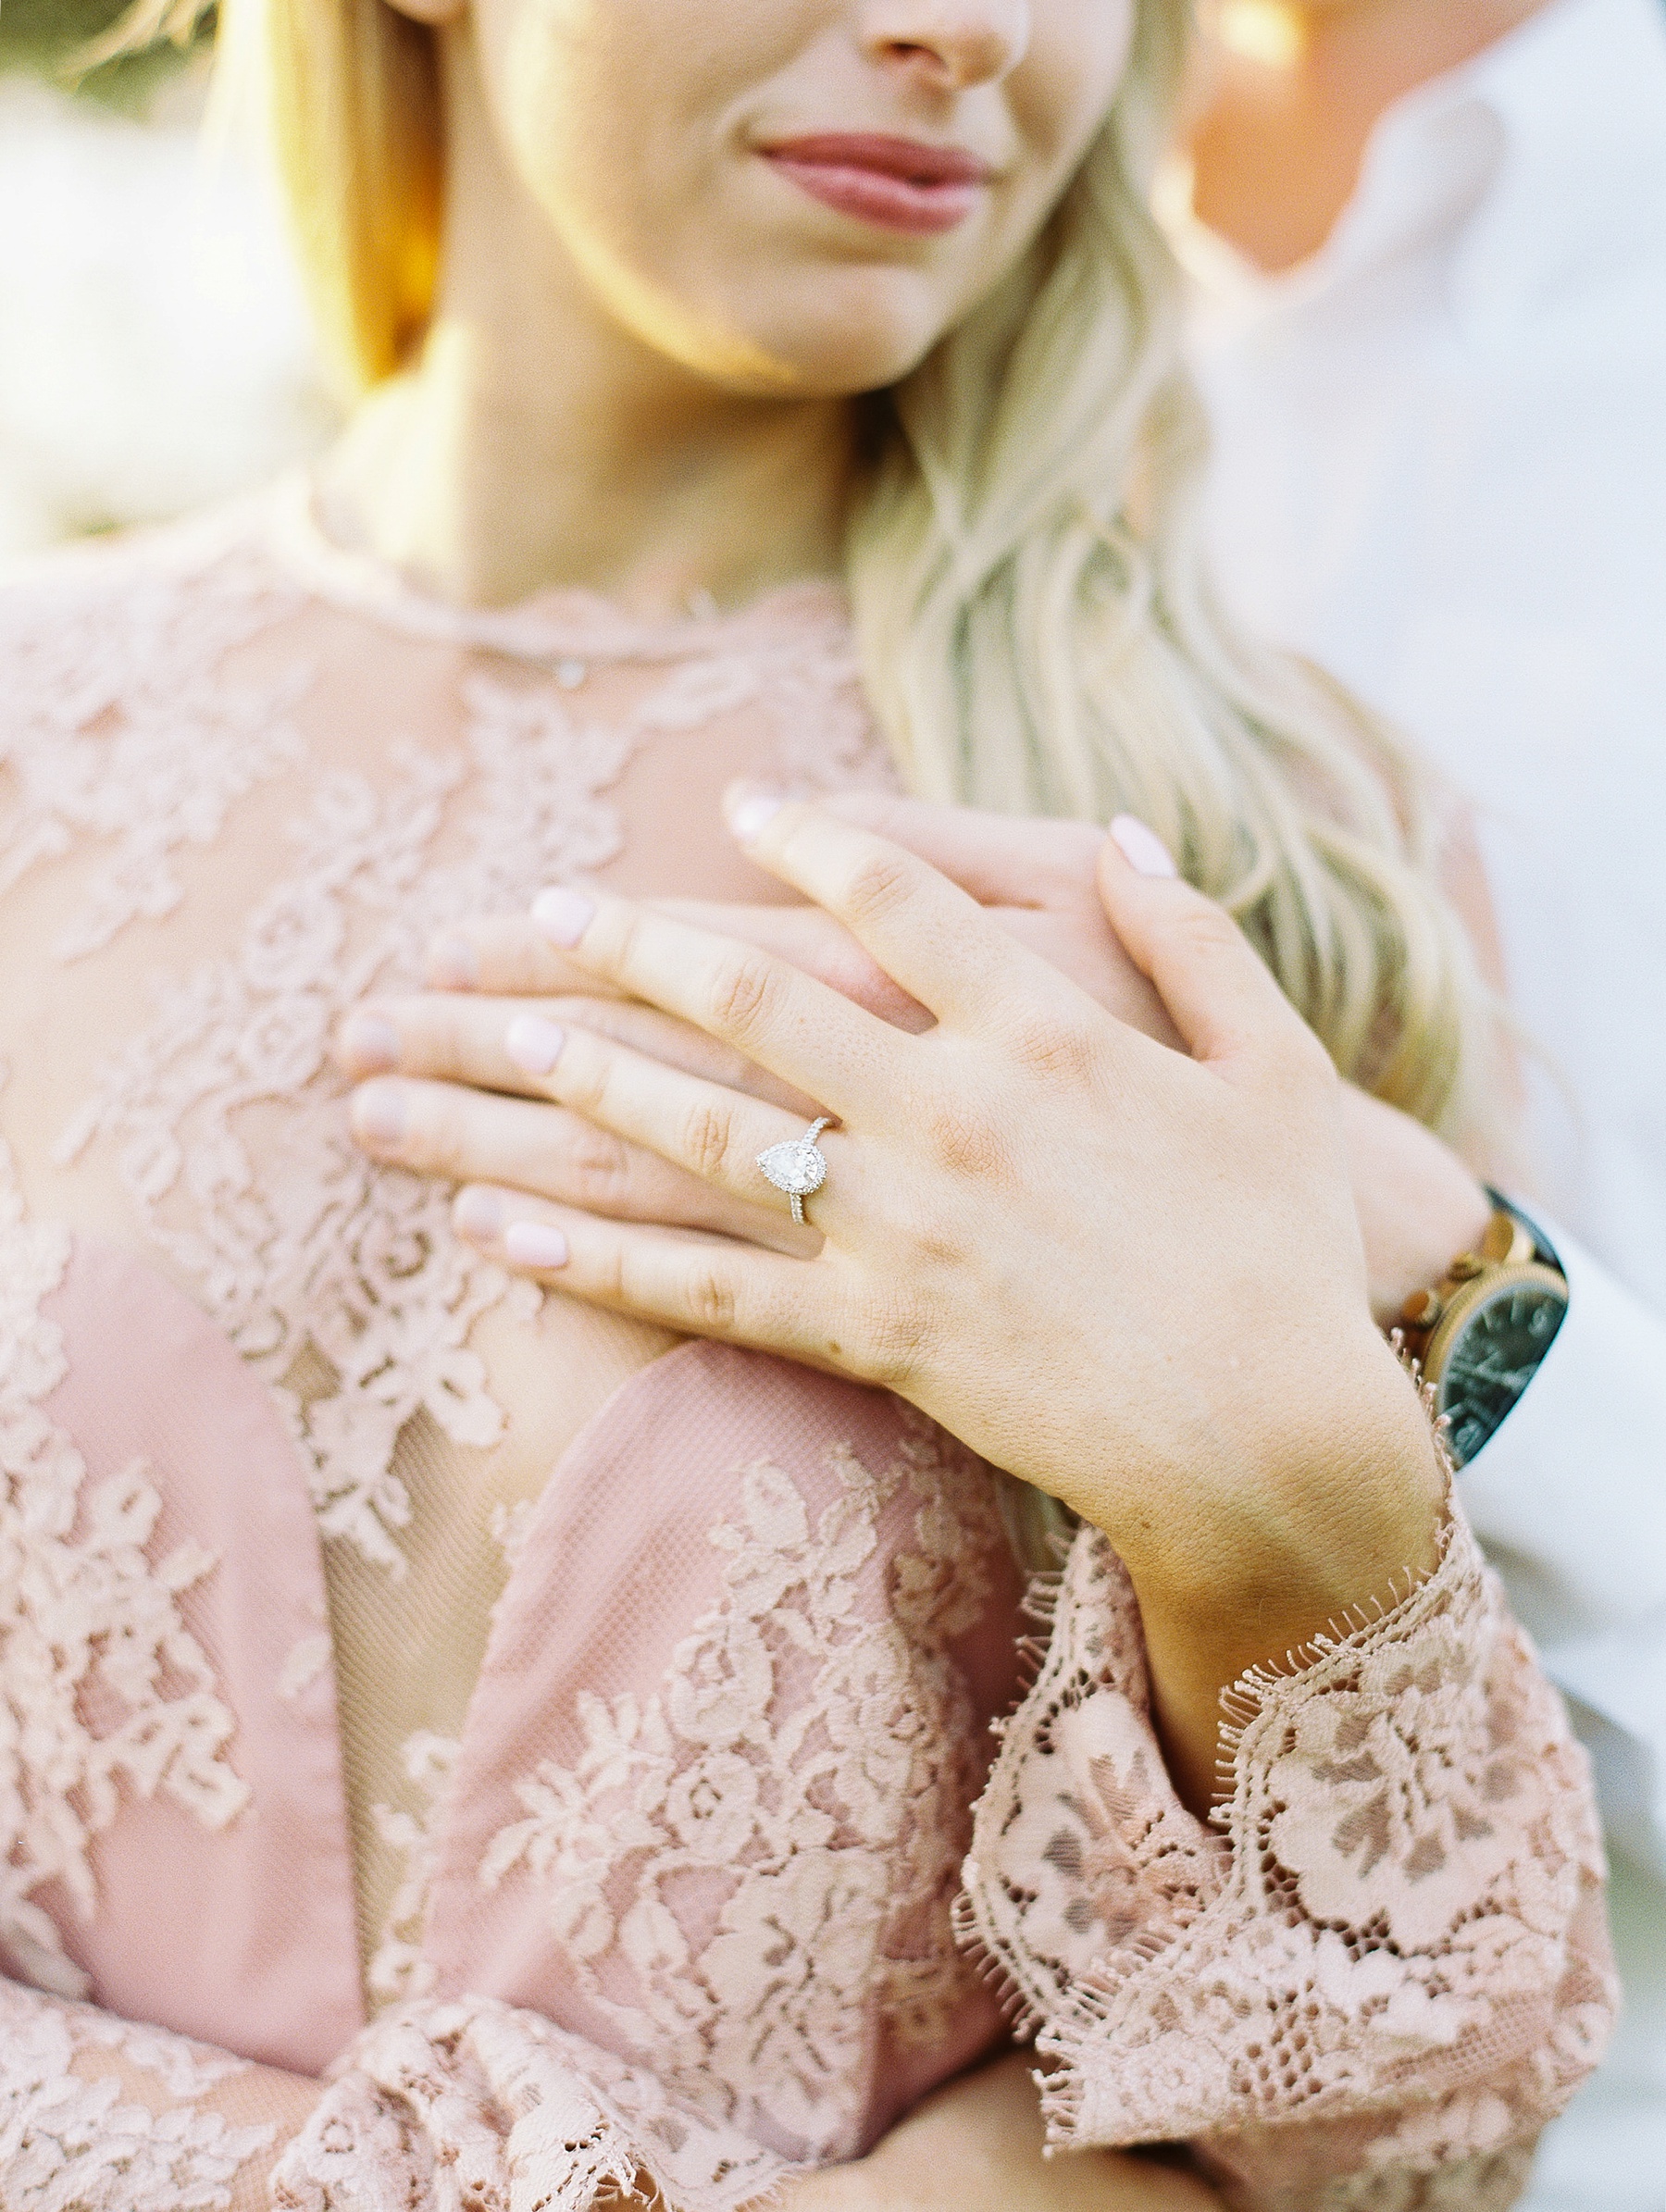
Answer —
1482 1330
1418 1203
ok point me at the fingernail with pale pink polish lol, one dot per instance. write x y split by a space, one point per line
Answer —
533 1044
1142 849
380 1113
751 812
534 1244
453 965
368 1042
563 916
477 1215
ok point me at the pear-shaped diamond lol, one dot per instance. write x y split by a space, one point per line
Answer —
796 1167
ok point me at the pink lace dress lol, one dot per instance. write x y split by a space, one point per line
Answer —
458 1749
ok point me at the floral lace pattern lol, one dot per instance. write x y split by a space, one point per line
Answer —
482 2104
72 2139
137 737
1084 1879
333 1258
822 1832
87 1618
1397 1971
311 1255
1363 1995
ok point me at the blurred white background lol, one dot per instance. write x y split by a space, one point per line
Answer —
154 351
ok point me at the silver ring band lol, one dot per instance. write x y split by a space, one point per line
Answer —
798 1167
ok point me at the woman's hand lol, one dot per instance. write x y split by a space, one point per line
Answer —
500 978
1417 1201
1129 1276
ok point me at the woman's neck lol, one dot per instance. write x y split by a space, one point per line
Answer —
1294 88
539 443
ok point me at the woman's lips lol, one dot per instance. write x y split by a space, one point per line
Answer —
900 184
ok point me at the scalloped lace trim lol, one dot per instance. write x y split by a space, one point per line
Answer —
1390 1937
479 2104
562 624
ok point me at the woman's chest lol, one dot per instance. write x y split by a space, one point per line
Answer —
179 964
525 1695
178 958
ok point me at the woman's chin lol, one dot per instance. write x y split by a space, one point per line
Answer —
858 335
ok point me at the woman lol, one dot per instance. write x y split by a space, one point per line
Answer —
600 1716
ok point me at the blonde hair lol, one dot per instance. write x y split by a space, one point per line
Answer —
1024 567
1039 634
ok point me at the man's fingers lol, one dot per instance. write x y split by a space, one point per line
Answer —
1220 995
928 934
1002 860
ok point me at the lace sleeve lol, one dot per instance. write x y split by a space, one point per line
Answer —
479 2103
472 2104
102 2115
1371 1991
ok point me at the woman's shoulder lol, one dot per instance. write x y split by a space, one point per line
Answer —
120 608
147 678
107 561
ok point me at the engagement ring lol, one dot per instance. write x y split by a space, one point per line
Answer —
798 1167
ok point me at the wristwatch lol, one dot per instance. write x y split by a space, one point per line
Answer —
1482 1330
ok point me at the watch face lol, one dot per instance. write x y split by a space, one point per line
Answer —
1494 1357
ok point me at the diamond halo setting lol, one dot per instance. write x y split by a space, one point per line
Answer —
798 1167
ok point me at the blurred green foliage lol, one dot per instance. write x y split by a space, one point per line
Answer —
49 37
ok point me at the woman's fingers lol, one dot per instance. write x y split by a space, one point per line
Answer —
815 943
709 1130
1221 996
463 1135
506 955
510 956
714 1133
787 1022
926 933
698 1285
495 1043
